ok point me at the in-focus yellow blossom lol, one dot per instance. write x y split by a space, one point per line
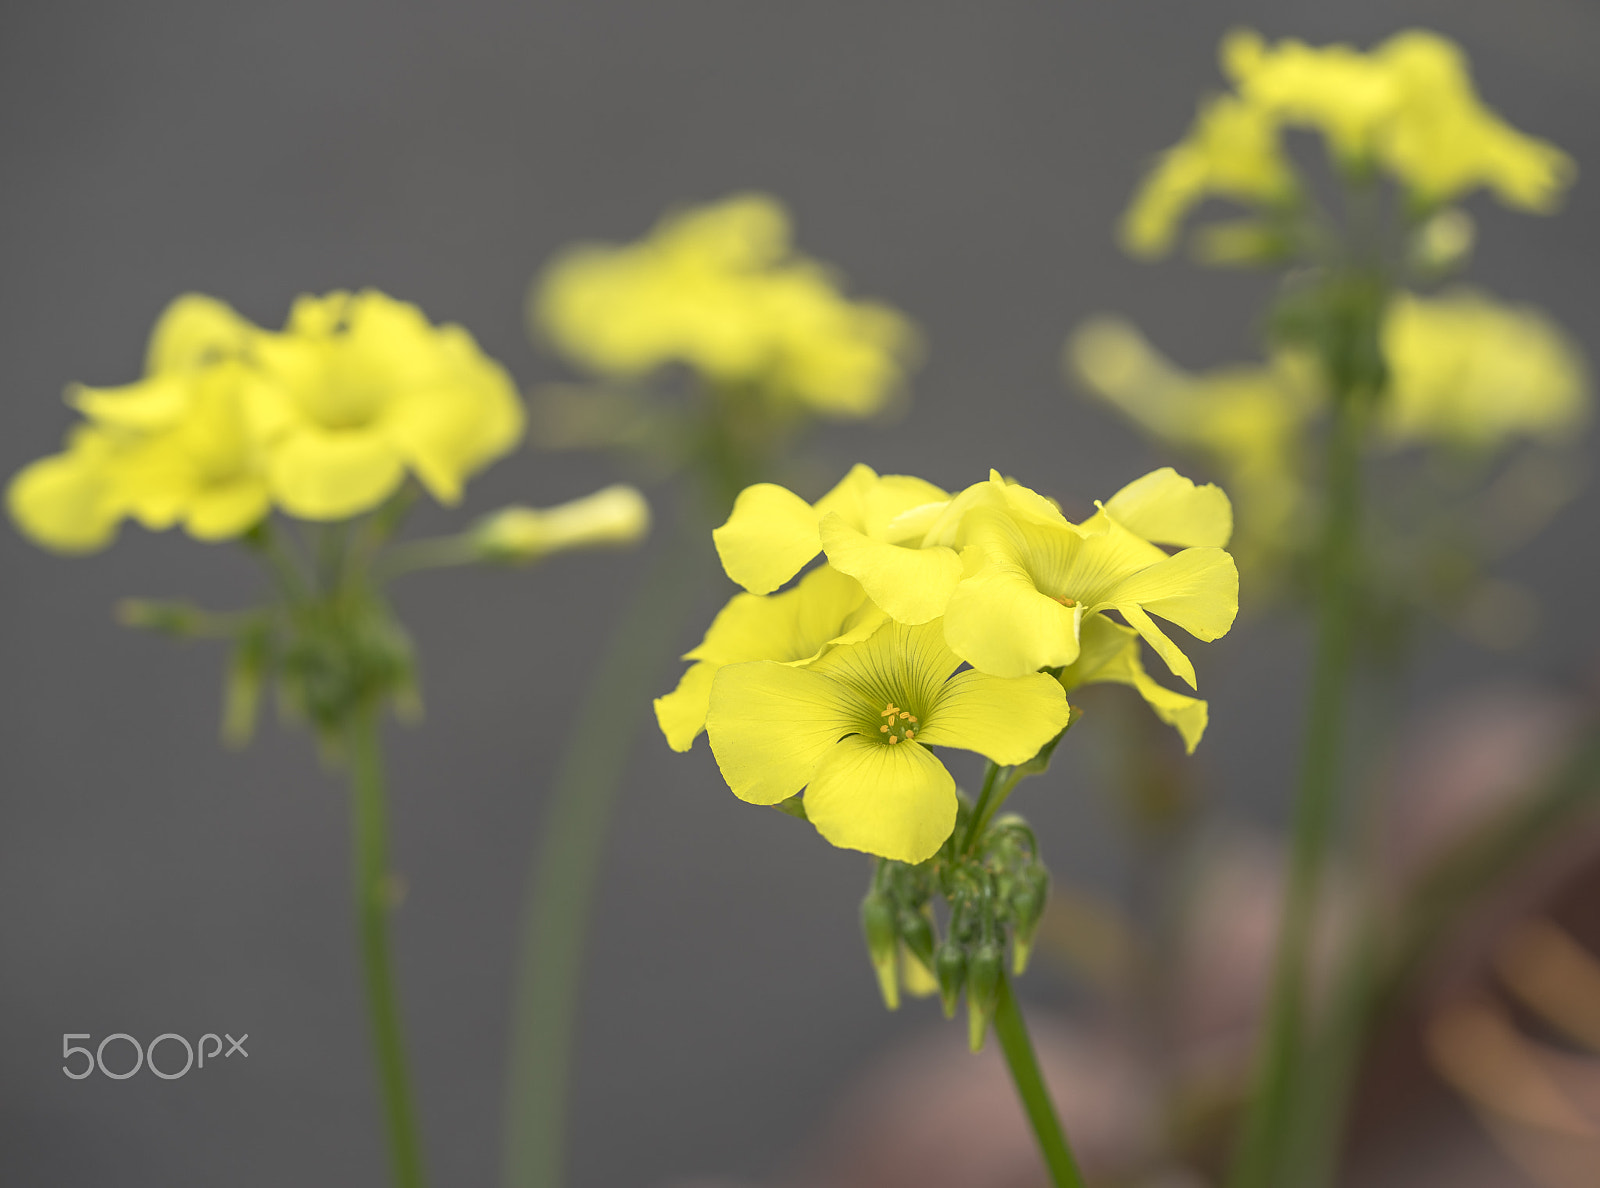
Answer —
719 288
824 609
853 730
1030 585
1470 372
371 390
1250 421
1109 653
1232 151
615 515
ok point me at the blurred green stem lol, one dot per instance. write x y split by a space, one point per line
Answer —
562 883
374 894
1012 1033
1280 1069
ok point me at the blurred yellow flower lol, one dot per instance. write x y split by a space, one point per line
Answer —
1471 372
1408 106
323 420
853 729
719 289
371 390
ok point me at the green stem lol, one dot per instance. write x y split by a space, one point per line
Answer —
1280 1066
370 840
1012 1033
562 883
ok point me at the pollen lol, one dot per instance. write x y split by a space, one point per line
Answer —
901 724
1065 601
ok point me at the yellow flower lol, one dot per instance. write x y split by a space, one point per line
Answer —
1336 89
854 727
615 515
1109 653
370 390
719 289
1470 372
180 446
1232 151
795 627
1030 585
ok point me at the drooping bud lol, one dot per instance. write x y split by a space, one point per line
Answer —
1028 899
617 515
950 968
883 945
915 975
984 972
917 931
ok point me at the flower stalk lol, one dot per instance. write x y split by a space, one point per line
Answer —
374 896
1012 1032
1281 1068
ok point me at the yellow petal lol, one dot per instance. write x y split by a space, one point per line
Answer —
897 802
196 329
1198 589
1111 654
899 663
319 475
1003 720
681 714
1164 647
65 502
769 538
148 406
770 724
999 622
228 510
911 585
1167 508
793 626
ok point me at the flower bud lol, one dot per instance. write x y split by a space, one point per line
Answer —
617 515
917 931
1028 901
883 945
950 968
916 977
984 972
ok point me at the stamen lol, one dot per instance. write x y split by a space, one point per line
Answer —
893 738
883 730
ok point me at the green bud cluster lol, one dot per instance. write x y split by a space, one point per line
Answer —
990 894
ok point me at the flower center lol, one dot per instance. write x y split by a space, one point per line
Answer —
899 725
1065 601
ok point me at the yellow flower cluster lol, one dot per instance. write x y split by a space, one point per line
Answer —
323 419
1465 373
719 289
937 620
1407 107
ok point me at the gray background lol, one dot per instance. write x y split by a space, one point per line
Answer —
964 161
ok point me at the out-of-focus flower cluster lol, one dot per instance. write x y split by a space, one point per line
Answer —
937 619
719 289
1468 377
323 420
1406 109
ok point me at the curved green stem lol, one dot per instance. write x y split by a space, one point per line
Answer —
562 883
1012 1033
1280 1068
370 854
